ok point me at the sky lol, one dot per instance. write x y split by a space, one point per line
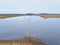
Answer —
29 6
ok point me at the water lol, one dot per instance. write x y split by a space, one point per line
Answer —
47 30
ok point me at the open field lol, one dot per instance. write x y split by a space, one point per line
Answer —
27 41
41 15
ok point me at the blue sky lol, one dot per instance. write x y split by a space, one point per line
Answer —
29 6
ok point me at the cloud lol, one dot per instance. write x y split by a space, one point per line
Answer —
19 6
5 10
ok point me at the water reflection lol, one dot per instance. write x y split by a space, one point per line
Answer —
47 30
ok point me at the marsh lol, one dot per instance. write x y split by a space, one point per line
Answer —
48 30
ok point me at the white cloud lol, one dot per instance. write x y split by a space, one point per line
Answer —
5 10
30 6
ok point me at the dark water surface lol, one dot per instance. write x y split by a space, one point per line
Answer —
47 30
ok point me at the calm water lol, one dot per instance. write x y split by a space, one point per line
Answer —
47 30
